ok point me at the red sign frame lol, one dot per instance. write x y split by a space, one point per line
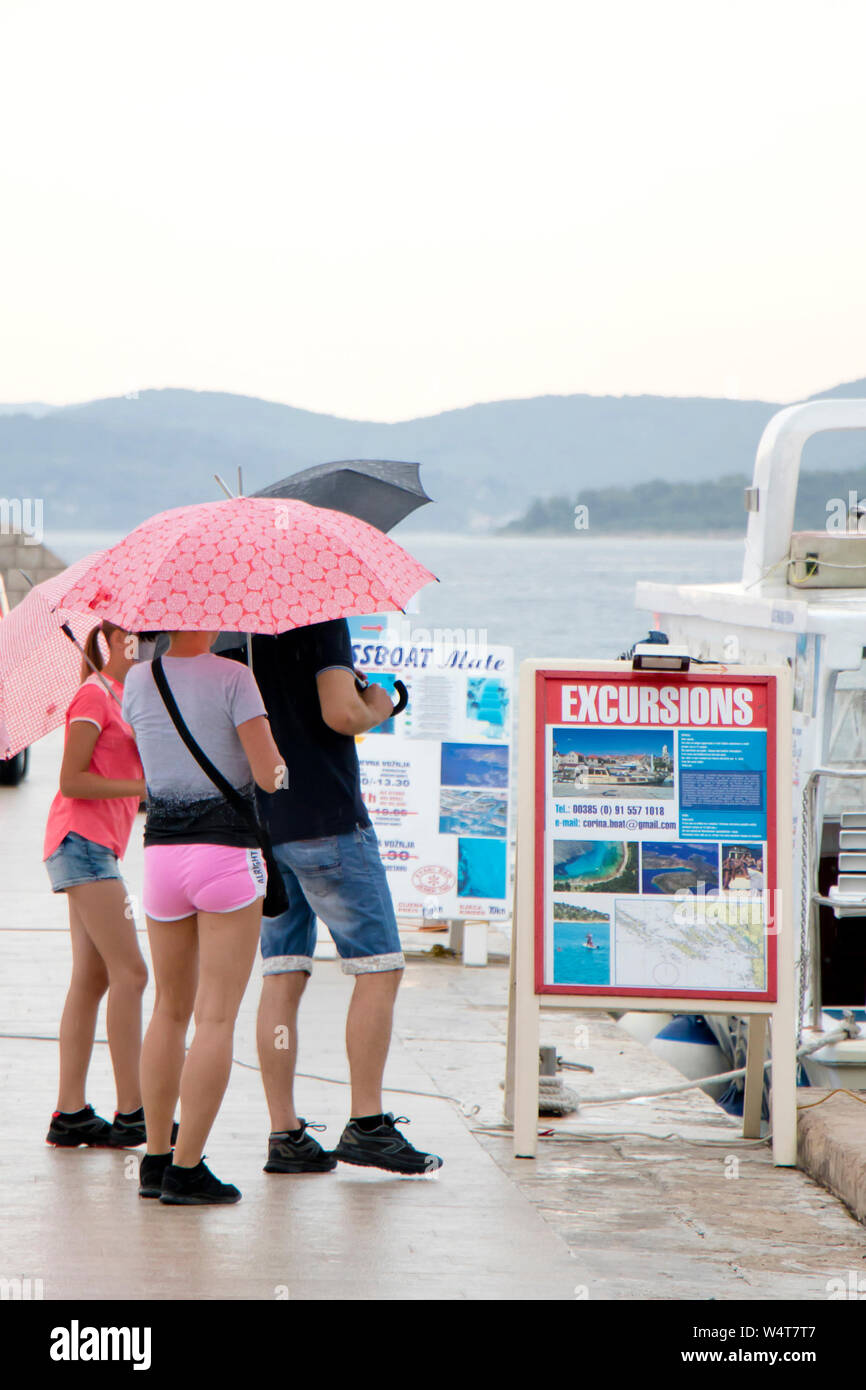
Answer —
766 688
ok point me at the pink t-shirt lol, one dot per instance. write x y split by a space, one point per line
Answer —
108 821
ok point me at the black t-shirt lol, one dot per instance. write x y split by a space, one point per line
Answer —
324 792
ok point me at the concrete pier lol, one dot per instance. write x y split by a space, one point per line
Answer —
832 1144
658 1199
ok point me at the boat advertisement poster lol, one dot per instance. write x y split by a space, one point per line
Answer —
437 778
655 840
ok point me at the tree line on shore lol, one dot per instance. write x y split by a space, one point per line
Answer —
689 508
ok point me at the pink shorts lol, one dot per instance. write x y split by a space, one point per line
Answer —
180 880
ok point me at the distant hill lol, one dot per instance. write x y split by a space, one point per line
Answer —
27 408
110 463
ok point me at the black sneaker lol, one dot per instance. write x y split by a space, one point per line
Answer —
67 1131
195 1187
128 1131
384 1147
302 1155
150 1173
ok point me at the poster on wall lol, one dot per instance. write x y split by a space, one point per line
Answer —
437 778
655 841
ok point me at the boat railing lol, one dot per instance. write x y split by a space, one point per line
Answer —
811 898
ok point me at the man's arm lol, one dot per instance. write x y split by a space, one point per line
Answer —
347 711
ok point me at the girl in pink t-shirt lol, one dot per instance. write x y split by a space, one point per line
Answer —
88 830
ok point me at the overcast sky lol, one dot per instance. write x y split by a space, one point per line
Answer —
386 208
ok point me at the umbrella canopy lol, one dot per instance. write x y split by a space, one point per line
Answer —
378 491
249 564
40 668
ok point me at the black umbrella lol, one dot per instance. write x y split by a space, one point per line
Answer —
379 491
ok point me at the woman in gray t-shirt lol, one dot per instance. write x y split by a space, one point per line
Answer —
204 880
214 696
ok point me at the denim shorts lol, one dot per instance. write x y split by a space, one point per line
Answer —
340 879
77 860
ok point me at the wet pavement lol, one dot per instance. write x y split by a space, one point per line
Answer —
658 1199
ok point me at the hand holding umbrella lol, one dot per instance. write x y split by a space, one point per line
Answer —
362 684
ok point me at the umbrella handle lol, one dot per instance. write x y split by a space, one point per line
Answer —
361 683
403 700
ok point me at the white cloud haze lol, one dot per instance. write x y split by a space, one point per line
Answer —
389 209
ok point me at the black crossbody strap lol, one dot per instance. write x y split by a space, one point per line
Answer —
229 792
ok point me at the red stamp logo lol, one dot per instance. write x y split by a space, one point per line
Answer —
433 878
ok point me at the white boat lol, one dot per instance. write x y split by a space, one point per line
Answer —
802 599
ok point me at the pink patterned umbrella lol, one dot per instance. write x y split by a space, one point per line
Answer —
39 666
248 564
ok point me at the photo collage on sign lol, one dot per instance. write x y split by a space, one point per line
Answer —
436 778
636 898
473 805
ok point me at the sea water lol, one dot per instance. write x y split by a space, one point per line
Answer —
591 860
566 596
574 963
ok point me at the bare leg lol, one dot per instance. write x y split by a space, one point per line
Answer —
101 907
174 949
277 1035
78 1023
368 1037
227 948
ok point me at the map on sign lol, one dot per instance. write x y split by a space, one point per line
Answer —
690 943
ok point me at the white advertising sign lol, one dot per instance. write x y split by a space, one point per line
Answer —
436 779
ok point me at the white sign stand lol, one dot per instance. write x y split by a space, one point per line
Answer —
521 1085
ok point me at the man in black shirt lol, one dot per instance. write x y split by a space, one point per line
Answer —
328 855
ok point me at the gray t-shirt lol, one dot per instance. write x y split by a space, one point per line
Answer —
214 695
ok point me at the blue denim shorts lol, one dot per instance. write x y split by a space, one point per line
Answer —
77 860
341 879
